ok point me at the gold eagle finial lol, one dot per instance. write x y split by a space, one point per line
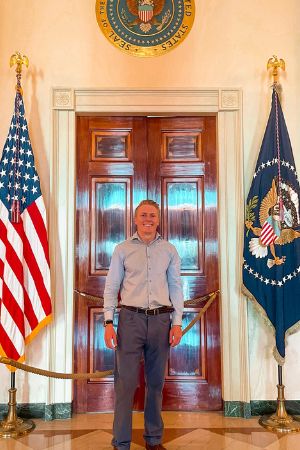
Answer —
18 60
275 64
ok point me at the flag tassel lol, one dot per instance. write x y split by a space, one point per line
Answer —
15 211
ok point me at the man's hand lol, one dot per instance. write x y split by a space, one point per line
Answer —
175 335
110 337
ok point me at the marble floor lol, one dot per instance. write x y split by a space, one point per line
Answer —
183 431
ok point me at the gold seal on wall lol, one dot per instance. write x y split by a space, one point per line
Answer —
145 27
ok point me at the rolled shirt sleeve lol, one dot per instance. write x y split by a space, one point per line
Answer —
175 288
113 283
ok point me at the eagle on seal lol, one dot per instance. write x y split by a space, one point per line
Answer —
145 11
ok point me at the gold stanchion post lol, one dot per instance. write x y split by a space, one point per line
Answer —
13 426
281 421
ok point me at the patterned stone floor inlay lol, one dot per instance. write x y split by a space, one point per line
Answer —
258 437
42 440
170 434
183 431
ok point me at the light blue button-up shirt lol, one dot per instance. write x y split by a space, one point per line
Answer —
147 276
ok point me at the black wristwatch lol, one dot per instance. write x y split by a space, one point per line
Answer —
107 322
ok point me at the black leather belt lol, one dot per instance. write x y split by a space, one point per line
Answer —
148 311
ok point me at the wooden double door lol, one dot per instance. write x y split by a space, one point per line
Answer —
121 161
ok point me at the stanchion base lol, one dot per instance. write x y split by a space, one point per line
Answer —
280 425
16 428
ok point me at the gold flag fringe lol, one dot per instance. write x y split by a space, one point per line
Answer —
293 329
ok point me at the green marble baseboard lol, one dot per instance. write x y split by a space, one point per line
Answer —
40 411
237 409
258 408
231 409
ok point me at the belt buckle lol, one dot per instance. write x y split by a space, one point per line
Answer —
146 311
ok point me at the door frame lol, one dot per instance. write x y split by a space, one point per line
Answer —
226 104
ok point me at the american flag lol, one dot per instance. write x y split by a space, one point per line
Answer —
25 304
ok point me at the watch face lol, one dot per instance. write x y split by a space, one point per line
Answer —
107 322
145 27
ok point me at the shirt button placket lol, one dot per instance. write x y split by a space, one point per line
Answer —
148 267
149 278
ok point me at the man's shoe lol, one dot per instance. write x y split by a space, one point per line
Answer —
155 447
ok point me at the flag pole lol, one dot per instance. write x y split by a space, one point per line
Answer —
13 380
281 421
13 426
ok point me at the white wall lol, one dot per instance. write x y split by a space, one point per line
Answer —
229 45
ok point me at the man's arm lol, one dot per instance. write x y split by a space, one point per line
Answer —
176 297
112 286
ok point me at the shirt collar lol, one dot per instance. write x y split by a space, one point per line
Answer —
135 237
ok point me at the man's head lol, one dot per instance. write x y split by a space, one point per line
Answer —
147 202
146 219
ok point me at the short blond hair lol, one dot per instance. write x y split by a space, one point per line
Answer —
147 202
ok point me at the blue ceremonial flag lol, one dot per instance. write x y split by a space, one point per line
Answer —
271 269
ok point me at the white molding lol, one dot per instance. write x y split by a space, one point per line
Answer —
62 228
142 101
63 98
234 334
226 104
229 99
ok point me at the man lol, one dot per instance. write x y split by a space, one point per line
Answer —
147 270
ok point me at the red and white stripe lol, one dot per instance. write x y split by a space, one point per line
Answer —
145 15
268 235
25 304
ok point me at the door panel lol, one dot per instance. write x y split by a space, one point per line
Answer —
183 220
119 168
183 179
121 161
110 219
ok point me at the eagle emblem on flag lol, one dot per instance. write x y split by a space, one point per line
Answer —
276 228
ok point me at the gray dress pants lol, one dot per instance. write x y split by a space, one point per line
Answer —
139 335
